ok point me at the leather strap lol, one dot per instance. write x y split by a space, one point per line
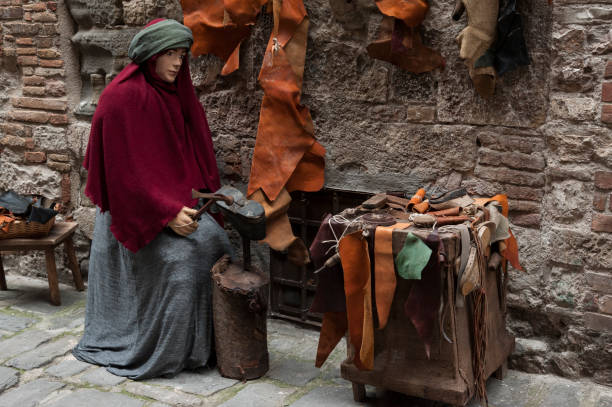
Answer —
384 271
353 249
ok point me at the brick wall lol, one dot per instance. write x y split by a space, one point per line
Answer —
544 138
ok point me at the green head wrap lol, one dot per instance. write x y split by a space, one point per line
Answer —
166 34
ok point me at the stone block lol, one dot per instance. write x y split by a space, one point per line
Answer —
67 368
24 41
601 223
35 156
327 396
16 129
59 167
12 141
573 108
26 51
512 159
29 394
48 53
55 88
11 13
29 116
421 114
603 179
35 7
15 323
140 12
293 372
164 395
599 201
608 71
606 91
604 304
44 17
567 200
606 114
40 103
8 378
510 176
204 382
22 29
33 91
51 63
91 397
34 81
598 322
59 119
59 157
51 138
43 354
562 394
528 220
259 394
101 377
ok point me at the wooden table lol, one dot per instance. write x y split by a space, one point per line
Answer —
400 363
60 233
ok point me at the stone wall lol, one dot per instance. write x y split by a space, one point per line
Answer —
544 138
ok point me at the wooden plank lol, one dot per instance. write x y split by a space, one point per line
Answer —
60 232
2 278
52 277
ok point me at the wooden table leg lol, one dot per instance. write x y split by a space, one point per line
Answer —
2 278
359 392
74 265
52 277
501 372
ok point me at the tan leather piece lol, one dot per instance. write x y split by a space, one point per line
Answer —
353 249
411 12
477 38
332 330
243 12
384 271
213 33
366 353
510 252
399 41
286 153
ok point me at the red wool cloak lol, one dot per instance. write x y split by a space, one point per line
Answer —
149 145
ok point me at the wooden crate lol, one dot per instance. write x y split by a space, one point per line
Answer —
400 363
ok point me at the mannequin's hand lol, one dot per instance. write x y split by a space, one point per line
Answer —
184 224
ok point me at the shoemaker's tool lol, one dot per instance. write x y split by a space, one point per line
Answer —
240 298
212 198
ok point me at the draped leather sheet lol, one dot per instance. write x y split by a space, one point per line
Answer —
219 27
286 157
399 41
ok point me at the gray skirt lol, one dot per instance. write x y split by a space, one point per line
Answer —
150 313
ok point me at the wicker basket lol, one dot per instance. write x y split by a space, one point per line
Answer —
20 228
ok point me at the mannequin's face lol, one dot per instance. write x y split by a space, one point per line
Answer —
169 63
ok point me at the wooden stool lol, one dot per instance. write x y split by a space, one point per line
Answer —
60 233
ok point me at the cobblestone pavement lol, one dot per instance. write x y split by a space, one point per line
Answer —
37 369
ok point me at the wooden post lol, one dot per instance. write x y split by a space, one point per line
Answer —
2 279
52 276
359 392
74 265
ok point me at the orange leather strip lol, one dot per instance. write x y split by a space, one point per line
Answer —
353 249
412 12
384 271
511 253
332 330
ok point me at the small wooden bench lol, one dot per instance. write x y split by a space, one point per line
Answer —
60 233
